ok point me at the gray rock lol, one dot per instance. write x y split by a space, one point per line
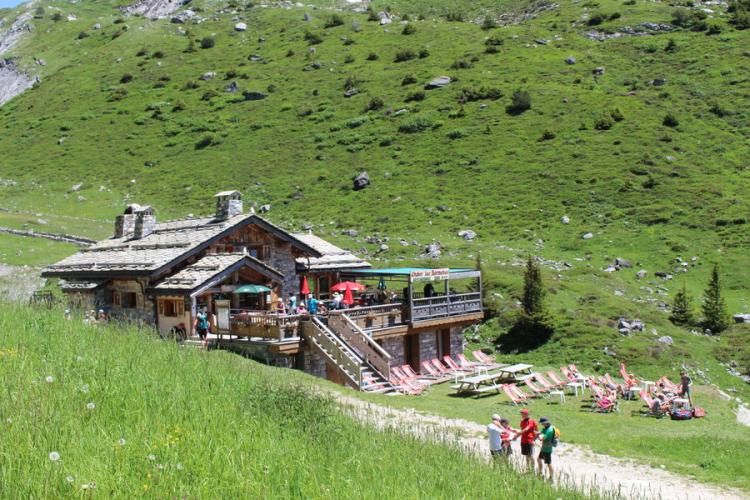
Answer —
351 92
624 324
253 96
383 248
209 75
434 250
624 331
467 234
307 227
641 274
403 243
623 262
666 339
352 233
638 325
385 18
587 236
565 219
265 209
741 318
598 71
255 58
183 17
97 26
77 187
438 82
232 87
240 27
306 17
361 181
570 60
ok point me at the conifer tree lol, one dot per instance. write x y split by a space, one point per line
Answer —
715 316
682 308
533 291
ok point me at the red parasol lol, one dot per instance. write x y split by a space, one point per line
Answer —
304 288
339 287
348 297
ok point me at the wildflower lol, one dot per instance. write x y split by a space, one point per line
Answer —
90 406
78 358
70 479
88 486
54 456
152 457
121 441
9 420
85 388
159 467
49 379
179 466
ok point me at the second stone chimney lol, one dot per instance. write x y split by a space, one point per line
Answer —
228 204
145 222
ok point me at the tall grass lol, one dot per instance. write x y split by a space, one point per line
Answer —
114 412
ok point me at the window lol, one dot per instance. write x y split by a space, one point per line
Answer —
171 308
129 300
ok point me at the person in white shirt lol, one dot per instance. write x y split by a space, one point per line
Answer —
495 432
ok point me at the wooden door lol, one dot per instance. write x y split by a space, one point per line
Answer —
411 351
443 338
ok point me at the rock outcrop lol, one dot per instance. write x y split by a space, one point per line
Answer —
153 8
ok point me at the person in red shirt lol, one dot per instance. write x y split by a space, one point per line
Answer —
528 436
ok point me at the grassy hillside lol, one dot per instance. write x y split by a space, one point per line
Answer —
123 111
81 414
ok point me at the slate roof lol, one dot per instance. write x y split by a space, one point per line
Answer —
332 257
211 267
71 286
168 244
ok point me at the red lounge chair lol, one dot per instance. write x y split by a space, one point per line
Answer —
455 366
463 361
441 367
555 379
517 390
405 386
429 369
566 372
595 389
647 399
407 369
605 405
398 372
669 385
630 380
539 391
483 358
545 383
514 398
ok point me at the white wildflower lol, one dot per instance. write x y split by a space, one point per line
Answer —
152 457
54 456
90 406
121 441
70 479
85 388
49 379
159 466
179 466
88 486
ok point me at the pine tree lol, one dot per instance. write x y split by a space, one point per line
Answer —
715 316
533 291
682 308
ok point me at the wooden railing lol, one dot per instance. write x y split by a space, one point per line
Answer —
446 305
336 350
369 350
263 325
374 317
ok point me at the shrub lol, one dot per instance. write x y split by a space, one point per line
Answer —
208 95
454 16
375 104
205 141
614 15
488 23
372 56
718 110
520 102
469 94
118 34
494 41
415 125
126 78
714 29
372 15
596 19
671 45
670 120
39 13
333 21
409 29
740 10
404 55
119 20
604 122
190 85
289 53
143 51
351 82
208 42
117 95
616 115
457 134
191 46
348 59
416 96
158 55
349 41
313 38
491 49
629 2
57 17
547 135
179 106
409 80
424 53
461 64
82 35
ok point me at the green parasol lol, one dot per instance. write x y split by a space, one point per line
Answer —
252 289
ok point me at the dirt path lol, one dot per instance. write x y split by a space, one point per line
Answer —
578 466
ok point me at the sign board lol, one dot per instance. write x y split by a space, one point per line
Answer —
429 274
222 315
227 288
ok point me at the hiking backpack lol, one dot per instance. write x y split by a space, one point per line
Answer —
556 439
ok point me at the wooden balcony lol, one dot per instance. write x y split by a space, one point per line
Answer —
264 325
446 306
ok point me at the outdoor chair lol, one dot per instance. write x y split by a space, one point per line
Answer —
407 369
605 405
483 358
545 383
566 372
630 379
441 367
514 398
429 369
463 361
518 392
555 379
455 366
538 391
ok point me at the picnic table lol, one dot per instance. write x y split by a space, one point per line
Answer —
490 381
511 372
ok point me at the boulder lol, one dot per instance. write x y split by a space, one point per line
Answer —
264 209
253 96
565 219
666 339
403 243
467 234
570 60
255 58
361 181
240 27
624 331
598 71
658 82
306 17
232 87
209 75
641 274
97 26
351 92
623 262
437 83
383 247
385 18
182 17
77 187
434 250
624 324
587 236
741 318
352 233
638 325
307 227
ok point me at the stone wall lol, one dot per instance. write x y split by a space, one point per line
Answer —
428 348
395 347
262 354
457 340
282 260
313 363
144 312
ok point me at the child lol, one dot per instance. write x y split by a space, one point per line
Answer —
507 434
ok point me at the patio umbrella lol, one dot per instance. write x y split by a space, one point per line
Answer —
348 297
339 287
252 289
381 284
304 288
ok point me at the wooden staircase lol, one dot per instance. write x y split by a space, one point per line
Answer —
351 352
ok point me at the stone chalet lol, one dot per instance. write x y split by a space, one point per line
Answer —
162 274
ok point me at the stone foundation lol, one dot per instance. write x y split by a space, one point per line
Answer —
395 347
428 348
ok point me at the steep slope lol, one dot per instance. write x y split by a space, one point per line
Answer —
637 134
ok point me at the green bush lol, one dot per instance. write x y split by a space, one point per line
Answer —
604 122
616 115
455 16
374 104
424 53
333 21
82 35
520 102
57 17
494 40
415 96
206 141
404 55
126 78
488 23
208 42
372 56
408 80
415 125
409 29
670 120
547 135
313 38
461 64
596 19
469 94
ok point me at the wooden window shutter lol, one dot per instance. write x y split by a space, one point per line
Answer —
116 299
161 307
180 308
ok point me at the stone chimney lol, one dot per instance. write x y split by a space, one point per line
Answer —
145 222
228 204
125 223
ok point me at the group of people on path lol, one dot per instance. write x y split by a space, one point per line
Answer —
501 435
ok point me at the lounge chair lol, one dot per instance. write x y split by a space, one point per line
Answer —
555 379
513 396
464 362
406 386
455 366
669 385
483 358
407 369
517 390
441 367
538 391
566 372
605 405
545 383
629 379
429 370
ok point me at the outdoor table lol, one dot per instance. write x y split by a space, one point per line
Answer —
513 370
560 394
632 391
574 386
680 403
475 383
648 384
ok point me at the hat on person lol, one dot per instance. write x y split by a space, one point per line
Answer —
524 411
544 420
496 417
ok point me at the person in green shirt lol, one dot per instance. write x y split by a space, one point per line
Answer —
547 435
